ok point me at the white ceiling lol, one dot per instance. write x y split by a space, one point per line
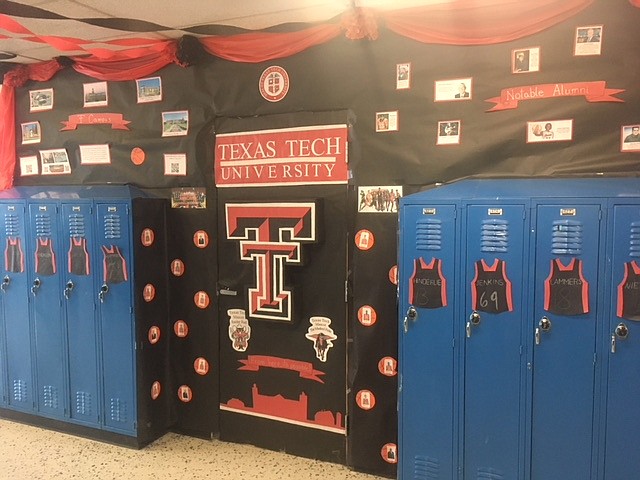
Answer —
173 16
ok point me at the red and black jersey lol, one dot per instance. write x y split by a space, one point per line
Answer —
491 288
427 285
629 292
13 256
45 257
566 291
78 256
115 265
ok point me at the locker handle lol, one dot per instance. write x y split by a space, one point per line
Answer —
468 329
5 283
68 289
537 336
36 286
613 344
412 314
103 291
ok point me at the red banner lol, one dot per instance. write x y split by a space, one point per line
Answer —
592 91
116 120
306 370
286 156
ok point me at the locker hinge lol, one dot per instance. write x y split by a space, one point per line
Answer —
131 310
595 359
453 343
346 291
520 350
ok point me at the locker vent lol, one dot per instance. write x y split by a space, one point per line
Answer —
11 224
489 474
495 235
43 225
76 225
50 396
567 237
83 403
634 240
19 391
112 226
425 468
118 410
429 234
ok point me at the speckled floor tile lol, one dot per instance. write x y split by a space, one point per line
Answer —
31 453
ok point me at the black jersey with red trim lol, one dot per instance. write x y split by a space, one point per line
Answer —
13 256
115 265
491 289
629 292
427 285
566 291
78 256
45 257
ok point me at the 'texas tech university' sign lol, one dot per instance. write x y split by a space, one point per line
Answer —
286 156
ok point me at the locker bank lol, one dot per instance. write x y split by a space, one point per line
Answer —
518 304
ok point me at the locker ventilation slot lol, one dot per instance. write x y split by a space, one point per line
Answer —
112 226
83 403
19 391
425 468
43 225
567 237
489 474
11 225
118 410
76 225
495 235
634 240
50 396
429 234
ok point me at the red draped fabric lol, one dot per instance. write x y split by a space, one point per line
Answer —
635 3
475 22
458 22
262 46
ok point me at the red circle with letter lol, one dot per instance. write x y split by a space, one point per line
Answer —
154 335
147 237
201 239
201 299
365 399
367 316
177 267
393 274
149 292
181 329
156 388
274 84
185 394
388 366
364 239
389 453
201 366
137 156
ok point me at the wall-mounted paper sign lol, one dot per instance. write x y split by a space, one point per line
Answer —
95 154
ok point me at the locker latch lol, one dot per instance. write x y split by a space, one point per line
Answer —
474 319
621 332
412 314
103 291
36 286
5 283
67 289
544 325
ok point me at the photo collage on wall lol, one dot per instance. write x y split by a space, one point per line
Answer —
56 161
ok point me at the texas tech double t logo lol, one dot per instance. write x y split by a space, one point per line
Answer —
271 236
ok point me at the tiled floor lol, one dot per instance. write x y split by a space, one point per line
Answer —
31 453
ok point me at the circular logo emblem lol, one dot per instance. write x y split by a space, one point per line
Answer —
364 239
365 399
149 292
137 156
388 366
177 267
154 335
201 239
155 390
389 453
274 84
367 316
201 366
181 329
201 299
393 274
147 237
185 394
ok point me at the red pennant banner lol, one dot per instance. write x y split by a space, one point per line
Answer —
592 91
255 362
116 120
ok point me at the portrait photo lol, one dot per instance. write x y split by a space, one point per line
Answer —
630 138
453 90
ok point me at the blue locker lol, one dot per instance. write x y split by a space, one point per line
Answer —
115 312
496 245
428 253
622 345
15 308
79 296
46 308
